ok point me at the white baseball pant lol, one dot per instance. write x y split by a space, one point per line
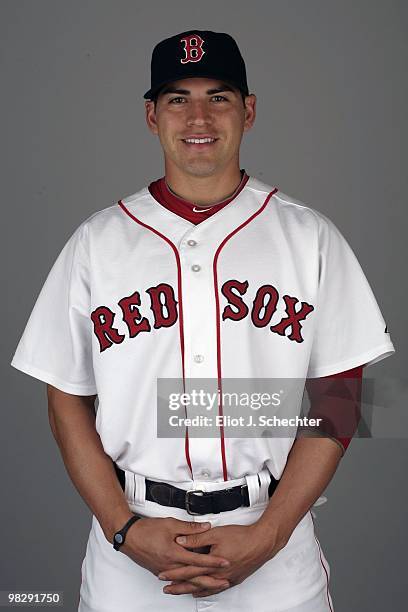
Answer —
295 580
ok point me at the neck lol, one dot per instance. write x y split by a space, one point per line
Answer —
203 190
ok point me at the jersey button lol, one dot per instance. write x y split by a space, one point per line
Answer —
198 358
196 268
191 242
205 474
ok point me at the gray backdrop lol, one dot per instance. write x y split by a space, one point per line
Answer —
331 130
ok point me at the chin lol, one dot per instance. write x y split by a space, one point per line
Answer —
201 169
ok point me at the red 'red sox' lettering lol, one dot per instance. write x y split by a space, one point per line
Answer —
131 315
163 305
102 318
293 320
262 320
170 304
235 300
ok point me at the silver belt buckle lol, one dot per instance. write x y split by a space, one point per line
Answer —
196 491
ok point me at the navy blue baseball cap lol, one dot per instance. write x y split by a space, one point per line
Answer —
197 53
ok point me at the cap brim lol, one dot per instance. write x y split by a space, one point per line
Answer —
149 95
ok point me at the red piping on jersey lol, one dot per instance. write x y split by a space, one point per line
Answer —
323 566
218 325
179 290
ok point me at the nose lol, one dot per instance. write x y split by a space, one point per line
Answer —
198 113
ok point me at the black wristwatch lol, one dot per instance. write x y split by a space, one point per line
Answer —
120 536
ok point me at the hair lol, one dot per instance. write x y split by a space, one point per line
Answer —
154 100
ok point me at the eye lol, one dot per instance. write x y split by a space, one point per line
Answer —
177 100
174 99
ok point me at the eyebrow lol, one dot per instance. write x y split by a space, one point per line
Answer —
186 92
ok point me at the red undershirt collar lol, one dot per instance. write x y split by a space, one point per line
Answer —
189 210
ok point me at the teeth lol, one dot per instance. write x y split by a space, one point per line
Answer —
199 140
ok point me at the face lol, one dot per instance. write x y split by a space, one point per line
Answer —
199 108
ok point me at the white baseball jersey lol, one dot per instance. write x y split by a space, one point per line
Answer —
267 287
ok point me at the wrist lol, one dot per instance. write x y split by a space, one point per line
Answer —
116 523
271 534
119 538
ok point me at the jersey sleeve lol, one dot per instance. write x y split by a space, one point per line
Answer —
349 328
56 344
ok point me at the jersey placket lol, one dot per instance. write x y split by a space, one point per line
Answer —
200 345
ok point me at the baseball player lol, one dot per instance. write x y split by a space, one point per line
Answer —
206 273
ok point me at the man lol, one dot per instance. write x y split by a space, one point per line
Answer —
206 274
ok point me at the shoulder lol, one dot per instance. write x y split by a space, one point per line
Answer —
291 209
109 217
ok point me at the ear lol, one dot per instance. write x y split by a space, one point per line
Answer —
151 119
250 111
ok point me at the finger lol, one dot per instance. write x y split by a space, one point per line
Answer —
202 560
196 540
209 582
185 572
187 587
191 527
180 588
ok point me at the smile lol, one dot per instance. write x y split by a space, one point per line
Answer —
199 143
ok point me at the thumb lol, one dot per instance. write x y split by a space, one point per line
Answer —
197 539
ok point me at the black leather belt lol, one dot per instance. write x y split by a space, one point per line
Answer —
196 501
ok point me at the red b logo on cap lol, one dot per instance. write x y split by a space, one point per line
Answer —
193 47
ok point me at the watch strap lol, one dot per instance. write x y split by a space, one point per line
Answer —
120 536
